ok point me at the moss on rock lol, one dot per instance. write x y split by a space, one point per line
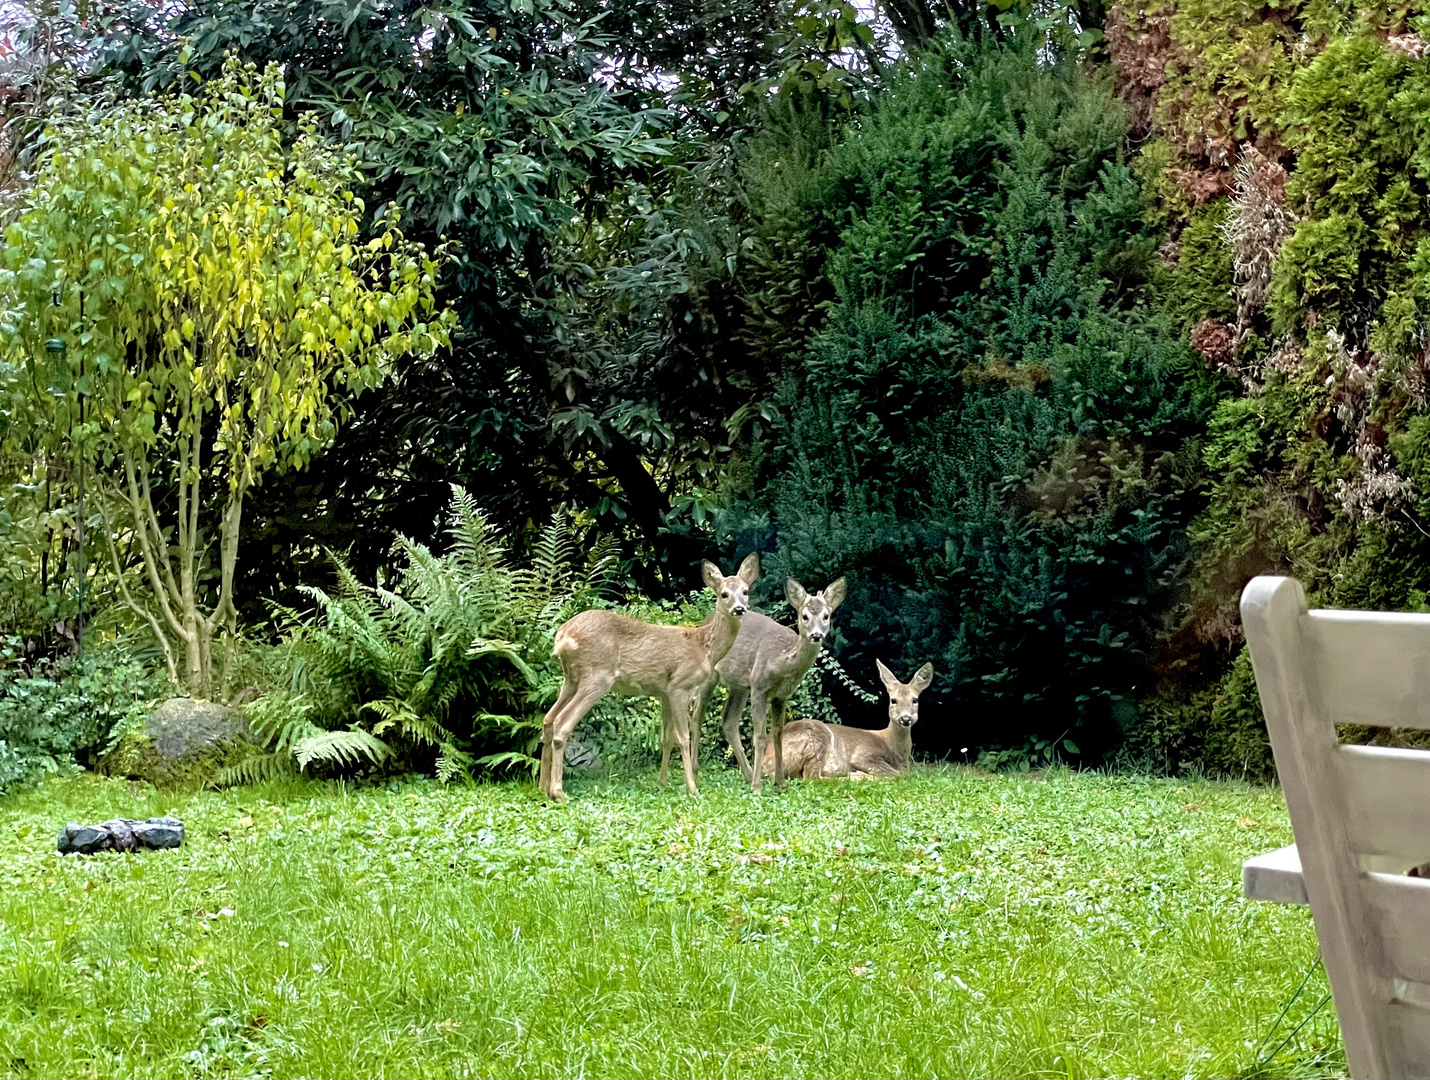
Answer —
183 744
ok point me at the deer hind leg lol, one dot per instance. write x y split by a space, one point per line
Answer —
548 730
667 740
777 710
591 690
697 718
734 710
757 745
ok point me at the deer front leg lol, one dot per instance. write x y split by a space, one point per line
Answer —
544 780
757 744
548 732
777 710
734 710
684 710
697 718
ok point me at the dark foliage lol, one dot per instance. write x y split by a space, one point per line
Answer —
991 434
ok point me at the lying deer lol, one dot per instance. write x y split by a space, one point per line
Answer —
602 651
765 666
815 751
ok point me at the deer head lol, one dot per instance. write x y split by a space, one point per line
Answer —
814 610
904 697
732 594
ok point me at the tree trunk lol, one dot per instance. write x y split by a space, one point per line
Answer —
172 570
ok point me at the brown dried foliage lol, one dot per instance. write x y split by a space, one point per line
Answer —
1217 343
1260 224
1140 48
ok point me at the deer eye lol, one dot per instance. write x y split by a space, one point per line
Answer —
913 701
724 596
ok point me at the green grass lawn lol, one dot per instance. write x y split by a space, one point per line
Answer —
957 924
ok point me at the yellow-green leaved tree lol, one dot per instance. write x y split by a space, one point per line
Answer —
218 310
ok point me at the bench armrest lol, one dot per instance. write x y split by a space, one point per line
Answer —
1275 876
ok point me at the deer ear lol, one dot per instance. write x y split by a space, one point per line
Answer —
750 568
888 676
834 595
711 573
922 678
795 594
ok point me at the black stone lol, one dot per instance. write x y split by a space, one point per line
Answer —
160 833
121 834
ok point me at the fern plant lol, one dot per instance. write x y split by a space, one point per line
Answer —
451 664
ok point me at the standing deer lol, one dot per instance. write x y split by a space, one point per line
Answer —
815 751
601 651
766 665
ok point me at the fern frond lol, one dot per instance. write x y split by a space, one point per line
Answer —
508 759
345 747
602 562
503 722
255 770
451 763
399 715
507 651
428 731
349 587
554 550
476 542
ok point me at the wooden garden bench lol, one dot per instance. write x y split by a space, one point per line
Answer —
1360 814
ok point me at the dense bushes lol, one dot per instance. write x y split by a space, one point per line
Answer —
444 670
65 712
1049 355
992 433
1316 171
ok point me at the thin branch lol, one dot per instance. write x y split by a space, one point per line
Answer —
162 545
183 511
146 550
197 408
139 609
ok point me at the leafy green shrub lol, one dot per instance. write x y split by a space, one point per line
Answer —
1216 730
17 766
446 670
991 434
67 712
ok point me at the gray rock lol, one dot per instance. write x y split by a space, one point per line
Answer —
84 839
121 834
181 727
581 755
183 744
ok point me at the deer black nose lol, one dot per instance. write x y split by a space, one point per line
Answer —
738 610
816 637
906 720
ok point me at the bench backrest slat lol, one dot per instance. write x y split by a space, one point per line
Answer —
1369 667
1354 807
1387 799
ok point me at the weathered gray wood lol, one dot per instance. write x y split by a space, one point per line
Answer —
1366 667
1274 877
1398 916
1295 664
1407 1039
1387 796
